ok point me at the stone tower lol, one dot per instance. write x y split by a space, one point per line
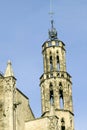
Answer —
55 82
7 93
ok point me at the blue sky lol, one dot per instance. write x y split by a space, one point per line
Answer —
24 27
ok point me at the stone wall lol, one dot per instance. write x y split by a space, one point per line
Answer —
45 123
23 111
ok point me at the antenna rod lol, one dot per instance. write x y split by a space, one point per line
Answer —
51 9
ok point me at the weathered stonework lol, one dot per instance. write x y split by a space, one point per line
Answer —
14 106
56 84
43 123
56 94
53 124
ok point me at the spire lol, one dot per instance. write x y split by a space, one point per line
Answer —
9 71
52 32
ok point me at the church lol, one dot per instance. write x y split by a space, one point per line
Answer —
56 93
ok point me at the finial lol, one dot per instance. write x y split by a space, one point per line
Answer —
52 31
9 62
9 70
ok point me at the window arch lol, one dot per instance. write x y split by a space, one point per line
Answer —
51 94
61 96
57 60
62 121
51 63
62 124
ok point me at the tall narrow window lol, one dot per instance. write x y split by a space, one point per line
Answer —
61 96
51 94
51 63
58 65
61 99
62 124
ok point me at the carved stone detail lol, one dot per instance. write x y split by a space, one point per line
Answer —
53 123
9 84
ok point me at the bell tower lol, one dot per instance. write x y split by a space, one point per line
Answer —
55 82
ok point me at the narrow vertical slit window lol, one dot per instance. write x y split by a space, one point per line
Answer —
62 124
61 96
58 65
51 94
61 99
51 63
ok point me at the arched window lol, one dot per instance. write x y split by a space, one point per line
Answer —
61 96
62 124
58 65
51 63
51 94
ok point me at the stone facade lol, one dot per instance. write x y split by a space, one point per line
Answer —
14 105
43 123
56 84
56 94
